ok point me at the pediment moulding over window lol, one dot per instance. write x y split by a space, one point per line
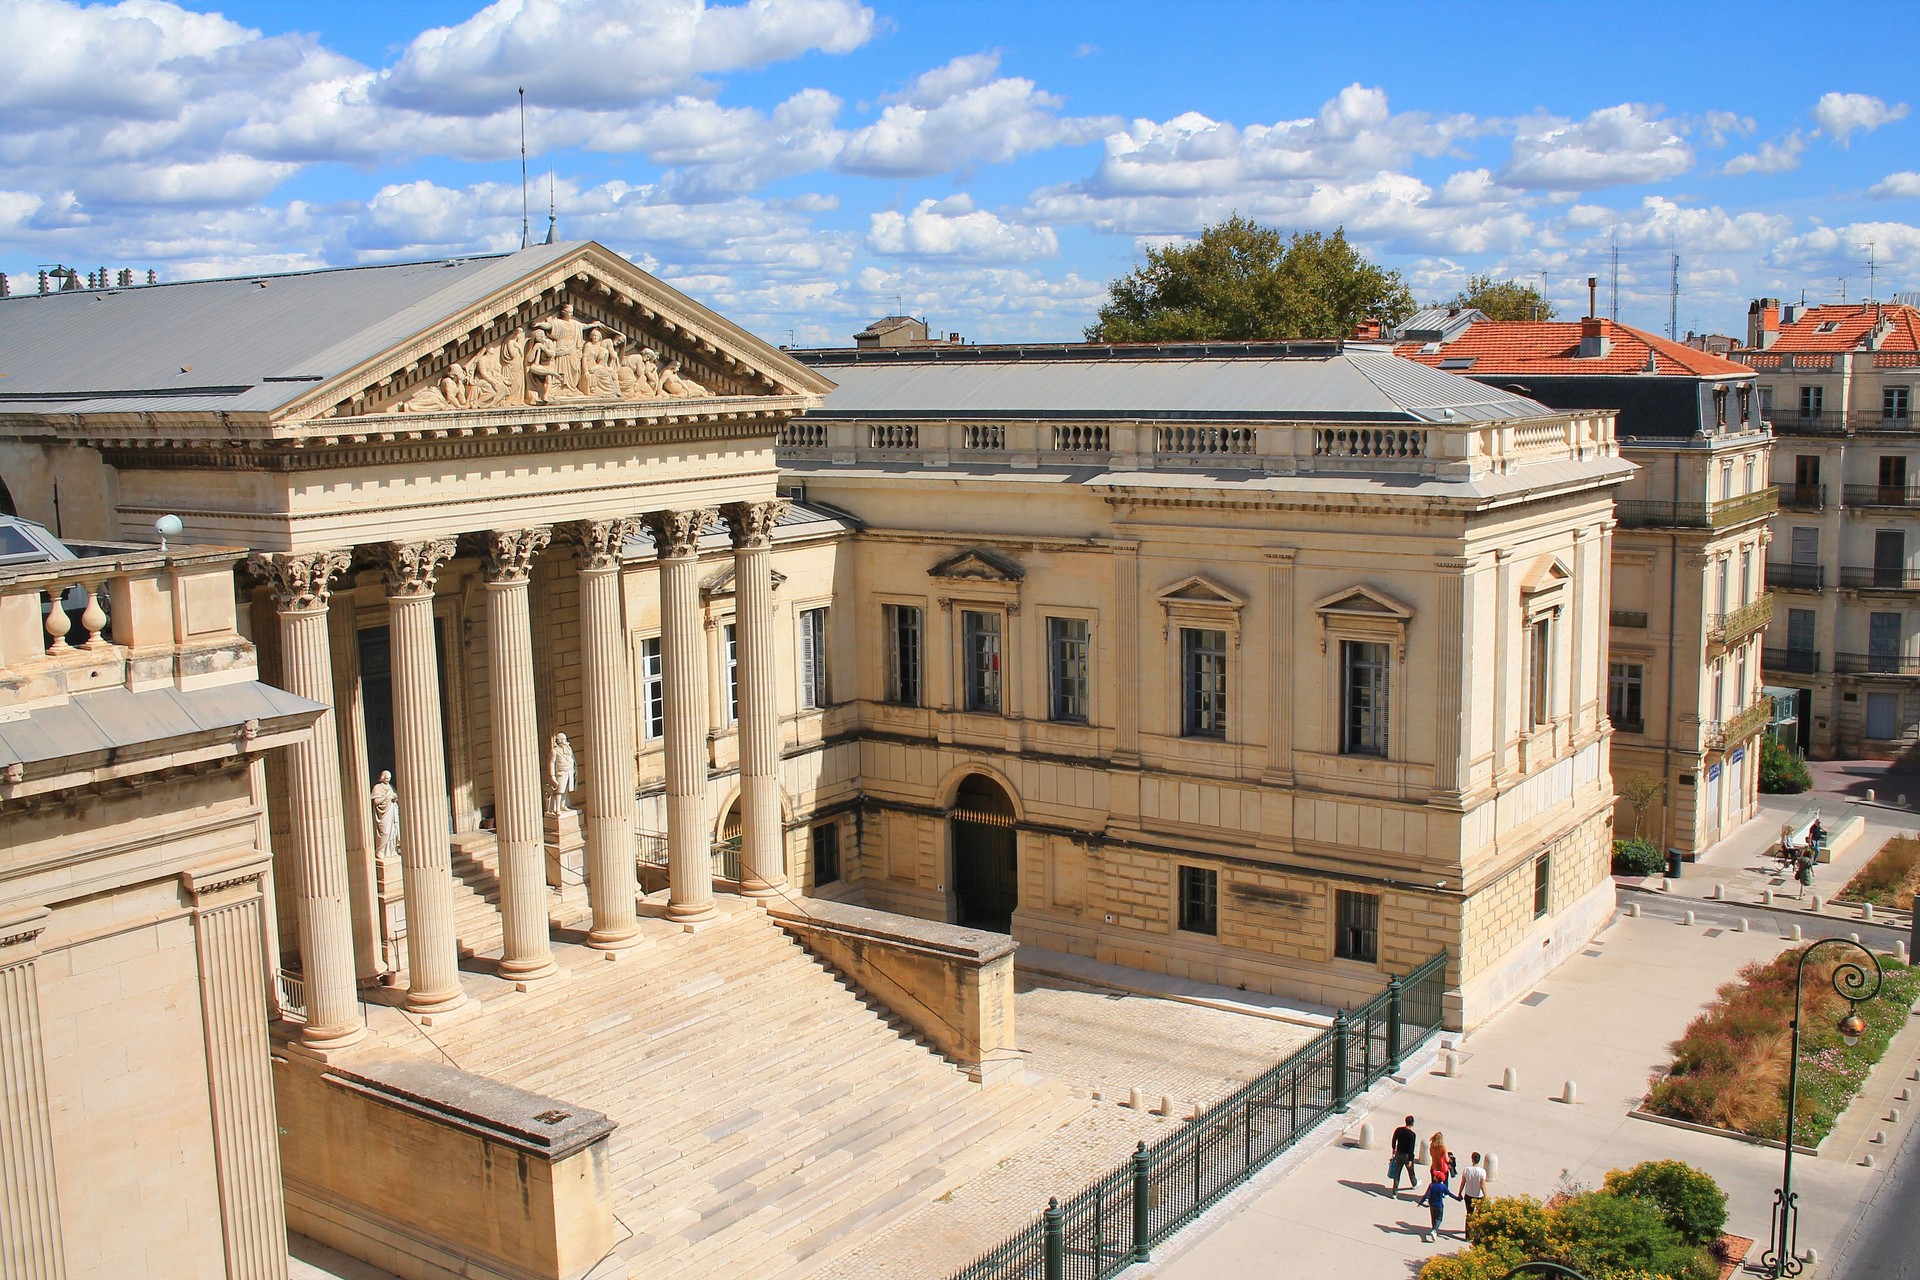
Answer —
1543 592
1199 599
979 564
1362 613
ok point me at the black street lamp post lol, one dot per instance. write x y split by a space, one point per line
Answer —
1855 985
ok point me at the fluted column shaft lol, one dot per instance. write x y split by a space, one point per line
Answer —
300 585
763 871
526 952
613 883
426 857
30 1241
683 659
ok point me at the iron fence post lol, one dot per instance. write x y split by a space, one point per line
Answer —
1053 1241
1393 1025
1340 1061
1142 1202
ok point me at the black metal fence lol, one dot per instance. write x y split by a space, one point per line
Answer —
1115 1222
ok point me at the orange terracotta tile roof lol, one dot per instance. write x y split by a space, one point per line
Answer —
1553 347
1851 322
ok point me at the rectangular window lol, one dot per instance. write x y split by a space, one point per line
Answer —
1726 479
1746 575
1203 683
1893 478
1719 691
980 659
902 624
813 658
653 691
1540 686
1884 643
732 643
1721 589
1800 630
1751 474
1626 682
1894 402
1067 669
1542 884
1806 470
1810 400
826 854
1357 934
1766 402
1199 900
1363 691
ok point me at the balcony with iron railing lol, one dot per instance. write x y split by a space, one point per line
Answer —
1876 664
1640 513
1718 735
1804 662
1879 578
1882 495
1802 497
1795 577
1793 423
1736 625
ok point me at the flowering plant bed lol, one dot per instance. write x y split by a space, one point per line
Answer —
1729 1070
1890 877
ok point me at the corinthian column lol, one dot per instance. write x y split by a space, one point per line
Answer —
613 885
683 658
300 585
763 871
426 861
526 954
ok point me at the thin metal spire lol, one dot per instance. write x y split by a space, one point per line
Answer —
525 238
552 217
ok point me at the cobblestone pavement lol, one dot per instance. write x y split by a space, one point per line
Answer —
1088 1038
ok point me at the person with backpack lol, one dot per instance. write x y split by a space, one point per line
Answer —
1401 1161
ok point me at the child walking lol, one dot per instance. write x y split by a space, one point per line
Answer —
1435 1198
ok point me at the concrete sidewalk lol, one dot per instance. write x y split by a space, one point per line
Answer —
1605 1020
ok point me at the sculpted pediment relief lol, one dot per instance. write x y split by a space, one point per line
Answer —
978 564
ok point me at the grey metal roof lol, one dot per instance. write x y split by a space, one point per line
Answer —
1356 383
231 344
119 720
1437 324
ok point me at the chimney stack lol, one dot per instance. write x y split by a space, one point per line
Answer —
1593 295
1763 323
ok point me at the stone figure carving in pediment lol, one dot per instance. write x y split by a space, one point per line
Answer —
674 382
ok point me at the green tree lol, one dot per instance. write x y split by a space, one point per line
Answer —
1503 299
1781 771
1241 281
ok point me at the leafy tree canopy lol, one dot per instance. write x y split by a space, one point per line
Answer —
1503 299
1242 282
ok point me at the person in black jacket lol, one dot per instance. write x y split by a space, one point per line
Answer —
1404 1142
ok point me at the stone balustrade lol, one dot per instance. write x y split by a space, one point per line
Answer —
1441 450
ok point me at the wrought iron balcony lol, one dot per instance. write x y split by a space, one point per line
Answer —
1729 628
1794 577
1721 734
1651 514
1879 578
1793 423
1803 497
1876 664
1802 661
1883 495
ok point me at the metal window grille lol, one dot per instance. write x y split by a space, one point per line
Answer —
1359 926
1199 900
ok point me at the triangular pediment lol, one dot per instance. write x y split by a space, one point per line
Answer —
1202 590
978 564
585 330
1546 577
720 585
1363 601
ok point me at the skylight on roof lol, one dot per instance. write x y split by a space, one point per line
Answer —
1827 326
1458 362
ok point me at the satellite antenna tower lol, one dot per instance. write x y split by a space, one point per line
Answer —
1871 270
1673 302
553 218
1613 307
525 238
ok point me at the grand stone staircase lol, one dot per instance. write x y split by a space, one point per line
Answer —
770 1115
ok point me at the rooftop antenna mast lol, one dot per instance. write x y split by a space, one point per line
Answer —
1673 301
1871 270
525 238
553 218
1613 307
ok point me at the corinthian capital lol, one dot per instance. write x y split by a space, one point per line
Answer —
299 582
597 543
510 552
677 533
751 523
412 566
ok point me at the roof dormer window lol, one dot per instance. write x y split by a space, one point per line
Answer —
1827 326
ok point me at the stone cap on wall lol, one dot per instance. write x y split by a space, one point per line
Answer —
535 1123
976 946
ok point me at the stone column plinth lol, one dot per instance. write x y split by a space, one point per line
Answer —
300 585
426 858
566 850
613 884
676 534
763 871
30 1242
526 952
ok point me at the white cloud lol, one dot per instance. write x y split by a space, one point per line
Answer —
1904 185
1841 115
953 229
1616 145
1770 157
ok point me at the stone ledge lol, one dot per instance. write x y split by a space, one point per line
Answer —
929 936
531 1122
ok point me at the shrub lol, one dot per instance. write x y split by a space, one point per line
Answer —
1637 857
1692 1202
1782 773
1607 1234
1890 878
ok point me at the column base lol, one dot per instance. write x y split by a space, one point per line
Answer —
691 912
434 1002
519 971
324 1040
764 891
610 940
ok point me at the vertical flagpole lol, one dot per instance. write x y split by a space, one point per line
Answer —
525 240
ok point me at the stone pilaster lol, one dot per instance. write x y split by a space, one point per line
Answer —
30 1242
676 535
300 585
1280 666
1126 711
426 858
613 883
1506 636
1453 679
526 952
246 1140
763 870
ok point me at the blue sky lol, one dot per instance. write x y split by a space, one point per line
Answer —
800 164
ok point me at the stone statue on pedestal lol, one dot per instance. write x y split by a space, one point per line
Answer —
386 817
560 773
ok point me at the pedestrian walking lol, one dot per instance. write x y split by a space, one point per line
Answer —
1435 1198
1401 1161
1439 1159
1804 872
1473 1189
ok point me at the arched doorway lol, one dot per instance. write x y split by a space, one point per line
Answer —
986 886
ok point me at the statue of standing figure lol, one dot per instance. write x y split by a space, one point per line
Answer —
386 816
560 772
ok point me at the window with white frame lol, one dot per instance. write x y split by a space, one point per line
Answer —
1626 683
730 641
1067 669
1540 670
903 624
980 654
653 691
1364 677
1203 682
813 659
1810 402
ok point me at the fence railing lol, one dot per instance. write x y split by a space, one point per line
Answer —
1116 1220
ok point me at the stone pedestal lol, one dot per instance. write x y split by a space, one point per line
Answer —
566 845
390 886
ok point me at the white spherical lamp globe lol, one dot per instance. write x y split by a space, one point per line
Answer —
167 527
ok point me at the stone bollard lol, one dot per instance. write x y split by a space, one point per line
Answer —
1491 1163
1633 910
1866 1161
1795 935
1687 919
1740 925
1812 1256
1879 1138
1420 1152
1568 1094
1905 1095
1766 897
1900 950
1166 1105
1869 795
1366 1137
1136 1099
1450 1065
1853 937
1719 893
1893 1115
1815 905
1866 913
1510 1081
